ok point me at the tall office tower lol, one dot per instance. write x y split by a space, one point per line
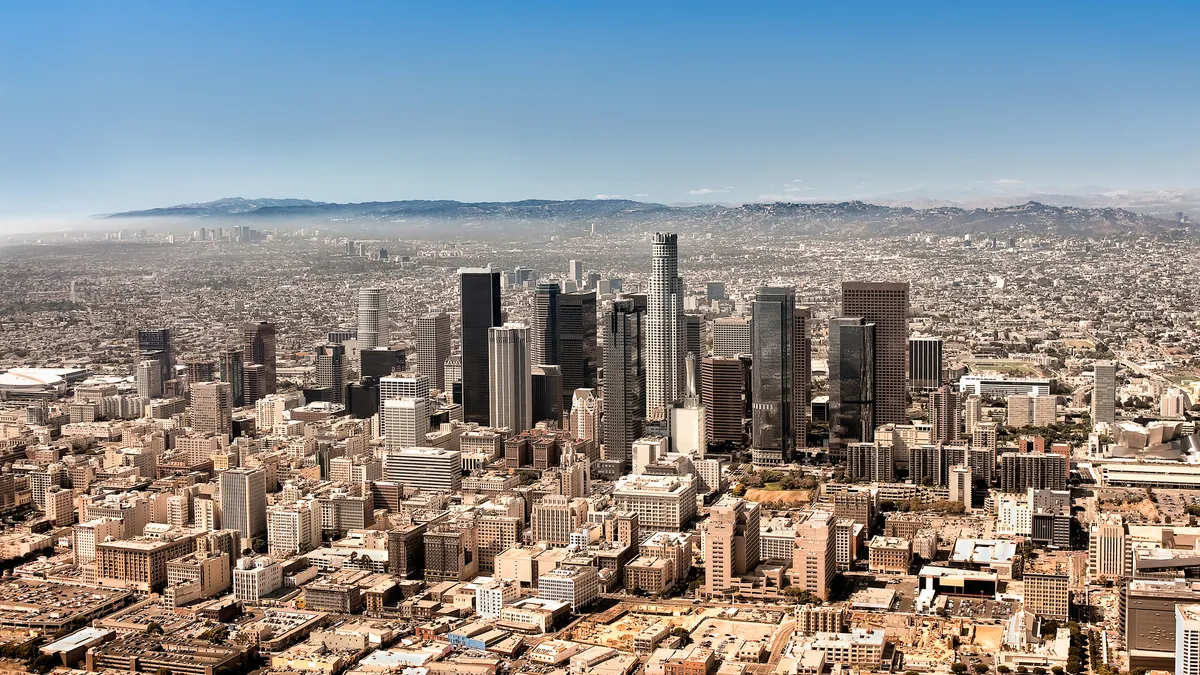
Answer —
665 339
802 380
480 312
374 327
715 290
1106 548
244 502
406 421
774 369
212 407
230 367
254 382
924 363
331 370
546 387
510 376
886 306
1025 410
945 415
155 344
693 326
395 387
381 361
577 350
722 384
986 436
585 416
1187 639
731 336
149 378
732 544
814 560
544 329
429 469
960 485
1020 471
870 462
201 371
1104 396
852 390
260 349
972 412
433 347
624 376
553 519
575 270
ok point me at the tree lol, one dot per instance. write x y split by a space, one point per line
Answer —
980 668
164 671
1039 671
154 628
959 667
738 490
1003 670
1057 670
1022 670
216 635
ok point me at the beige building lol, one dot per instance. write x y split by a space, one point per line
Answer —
732 543
814 562
661 502
1047 594
140 564
890 555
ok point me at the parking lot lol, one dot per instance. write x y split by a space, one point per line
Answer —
978 608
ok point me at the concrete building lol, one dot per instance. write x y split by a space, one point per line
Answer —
433 347
256 578
945 415
212 407
510 377
924 364
731 337
624 331
244 502
429 469
1104 396
577 586
1107 548
732 543
890 555
666 340
374 326
814 561
660 502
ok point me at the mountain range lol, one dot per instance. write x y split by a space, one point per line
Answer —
535 216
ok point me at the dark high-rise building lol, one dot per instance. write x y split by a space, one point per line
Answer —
254 382
886 306
1020 471
544 327
155 344
693 325
802 347
577 350
624 376
945 414
851 380
773 335
260 349
331 371
201 371
433 347
723 381
480 312
715 290
230 364
362 398
547 394
924 364
383 361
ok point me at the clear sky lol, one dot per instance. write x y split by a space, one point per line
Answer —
108 106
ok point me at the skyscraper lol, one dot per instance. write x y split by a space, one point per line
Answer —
577 350
732 544
230 368
1104 396
945 414
802 381
480 312
511 387
544 327
924 363
212 407
693 325
331 370
624 376
885 305
665 338
407 422
1187 639
244 502
373 324
722 383
851 379
260 349
149 378
575 270
773 373
433 347
395 387
731 336
155 344
547 394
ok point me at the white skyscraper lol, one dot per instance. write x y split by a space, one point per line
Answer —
149 379
406 421
373 324
666 341
1187 639
511 377
396 387
244 502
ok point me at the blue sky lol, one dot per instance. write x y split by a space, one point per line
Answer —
119 105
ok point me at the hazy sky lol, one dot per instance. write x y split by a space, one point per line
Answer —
107 106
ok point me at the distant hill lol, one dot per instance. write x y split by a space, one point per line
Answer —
542 216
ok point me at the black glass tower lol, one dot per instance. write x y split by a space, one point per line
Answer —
479 307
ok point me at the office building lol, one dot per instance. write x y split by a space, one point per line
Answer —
960 485
406 421
374 327
814 560
1020 471
665 338
1107 546
624 377
585 416
293 528
244 502
479 312
731 337
723 385
852 386
660 502
575 270
201 371
886 306
212 408
773 374
578 353
546 385
496 534
1047 595
398 386
451 552
260 350
1104 396
856 504
802 379
870 462
149 378
576 586
510 377
255 579
1187 639
732 541
331 370
924 364
945 415
230 365
1150 620
693 326
544 329
155 344
429 469
553 519
972 412
433 347
1028 410
140 564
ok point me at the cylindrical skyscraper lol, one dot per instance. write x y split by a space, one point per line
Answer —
373 324
666 340
511 390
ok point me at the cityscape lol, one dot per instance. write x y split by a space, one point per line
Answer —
402 338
